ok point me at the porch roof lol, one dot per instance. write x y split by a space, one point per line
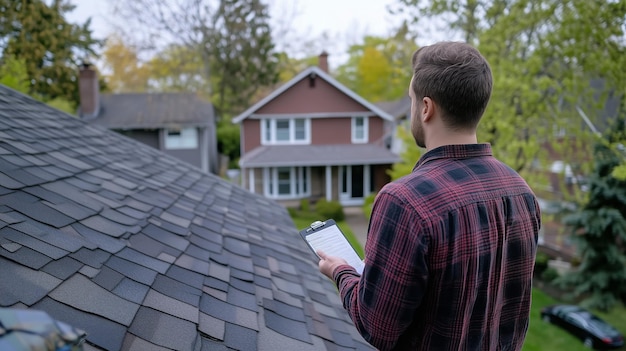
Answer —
317 155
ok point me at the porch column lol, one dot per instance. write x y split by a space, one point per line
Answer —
329 183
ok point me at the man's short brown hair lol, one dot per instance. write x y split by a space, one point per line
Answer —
457 78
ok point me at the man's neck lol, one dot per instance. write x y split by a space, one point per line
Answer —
451 139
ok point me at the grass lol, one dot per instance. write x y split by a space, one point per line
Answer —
545 336
541 336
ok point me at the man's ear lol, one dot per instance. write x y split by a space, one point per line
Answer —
428 109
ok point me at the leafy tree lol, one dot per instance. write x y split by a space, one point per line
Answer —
13 74
50 47
126 72
544 54
379 68
600 229
178 68
409 155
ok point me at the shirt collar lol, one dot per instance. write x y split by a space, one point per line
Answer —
455 151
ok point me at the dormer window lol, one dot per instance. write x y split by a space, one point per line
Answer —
286 131
359 130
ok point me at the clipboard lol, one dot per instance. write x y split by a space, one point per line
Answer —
326 236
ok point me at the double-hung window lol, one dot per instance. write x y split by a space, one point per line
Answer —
360 130
286 131
287 182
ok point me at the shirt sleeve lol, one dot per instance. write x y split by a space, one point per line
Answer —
383 301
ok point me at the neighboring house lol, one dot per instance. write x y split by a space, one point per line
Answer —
314 138
400 110
146 252
180 124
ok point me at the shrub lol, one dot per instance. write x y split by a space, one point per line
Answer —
330 209
549 275
292 211
368 204
304 205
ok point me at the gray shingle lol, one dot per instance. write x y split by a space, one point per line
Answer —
85 295
239 338
178 290
132 270
102 332
22 284
144 260
28 204
32 242
171 306
131 290
164 330
288 327
27 257
63 268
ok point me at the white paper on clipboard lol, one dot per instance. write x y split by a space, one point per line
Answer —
327 237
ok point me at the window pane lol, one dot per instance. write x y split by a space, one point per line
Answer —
300 129
359 128
305 181
284 181
186 138
268 130
282 130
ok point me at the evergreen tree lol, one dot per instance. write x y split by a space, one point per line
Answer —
51 48
600 229
243 55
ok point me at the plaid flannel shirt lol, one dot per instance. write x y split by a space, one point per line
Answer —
449 257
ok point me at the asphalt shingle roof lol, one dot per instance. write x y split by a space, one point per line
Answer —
153 110
398 108
143 251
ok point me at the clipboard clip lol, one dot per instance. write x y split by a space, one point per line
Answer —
315 225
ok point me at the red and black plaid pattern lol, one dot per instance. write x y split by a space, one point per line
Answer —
449 257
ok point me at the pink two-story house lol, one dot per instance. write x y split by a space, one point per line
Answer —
315 138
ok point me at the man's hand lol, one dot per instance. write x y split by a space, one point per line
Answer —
328 264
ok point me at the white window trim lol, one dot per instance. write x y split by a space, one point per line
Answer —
292 132
365 138
188 139
270 177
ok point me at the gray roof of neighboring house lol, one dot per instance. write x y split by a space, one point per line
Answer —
318 155
153 110
397 108
143 251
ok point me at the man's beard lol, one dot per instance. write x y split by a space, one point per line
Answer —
418 133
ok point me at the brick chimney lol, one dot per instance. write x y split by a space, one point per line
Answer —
88 91
323 61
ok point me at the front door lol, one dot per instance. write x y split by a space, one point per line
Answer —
353 184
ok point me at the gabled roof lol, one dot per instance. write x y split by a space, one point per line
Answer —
320 73
143 251
318 155
153 110
398 108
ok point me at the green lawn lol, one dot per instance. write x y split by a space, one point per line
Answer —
544 336
541 336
